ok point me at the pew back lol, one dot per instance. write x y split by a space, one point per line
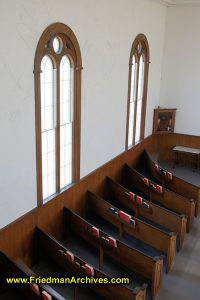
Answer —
147 267
160 215
167 198
141 231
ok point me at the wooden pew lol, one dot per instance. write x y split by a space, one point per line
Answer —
152 212
144 266
9 269
64 259
39 287
160 195
173 183
163 242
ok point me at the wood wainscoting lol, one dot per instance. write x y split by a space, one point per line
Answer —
16 239
165 143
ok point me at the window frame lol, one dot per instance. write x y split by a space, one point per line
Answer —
141 38
53 30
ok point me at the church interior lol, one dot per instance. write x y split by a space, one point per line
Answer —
100 151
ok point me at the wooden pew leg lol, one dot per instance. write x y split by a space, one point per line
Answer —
76 292
171 253
191 214
120 231
101 258
182 231
157 277
197 207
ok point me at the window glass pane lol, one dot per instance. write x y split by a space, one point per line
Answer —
141 78
68 172
44 142
138 121
51 184
47 93
57 44
51 162
133 80
139 100
48 163
132 102
66 91
48 117
131 124
62 177
44 187
44 165
66 121
65 175
51 141
48 112
65 154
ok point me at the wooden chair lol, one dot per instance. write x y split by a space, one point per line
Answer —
147 268
161 196
139 234
151 213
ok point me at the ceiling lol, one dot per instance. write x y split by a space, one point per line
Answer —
178 2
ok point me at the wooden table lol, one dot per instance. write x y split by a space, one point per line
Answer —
189 151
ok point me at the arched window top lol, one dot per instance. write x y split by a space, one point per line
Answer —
137 90
140 48
60 38
57 70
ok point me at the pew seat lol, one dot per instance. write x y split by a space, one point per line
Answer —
170 181
111 268
46 268
10 269
146 268
131 212
159 195
145 233
12 294
68 262
132 242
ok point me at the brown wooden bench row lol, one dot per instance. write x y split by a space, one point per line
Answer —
173 183
155 213
165 197
69 262
142 231
146 267
10 269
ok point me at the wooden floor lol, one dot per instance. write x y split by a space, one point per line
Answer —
183 282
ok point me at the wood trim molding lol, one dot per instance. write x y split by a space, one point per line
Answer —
49 33
141 38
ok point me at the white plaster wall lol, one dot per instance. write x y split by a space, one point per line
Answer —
180 86
105 30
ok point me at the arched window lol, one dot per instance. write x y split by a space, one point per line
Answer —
137 90
57 71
